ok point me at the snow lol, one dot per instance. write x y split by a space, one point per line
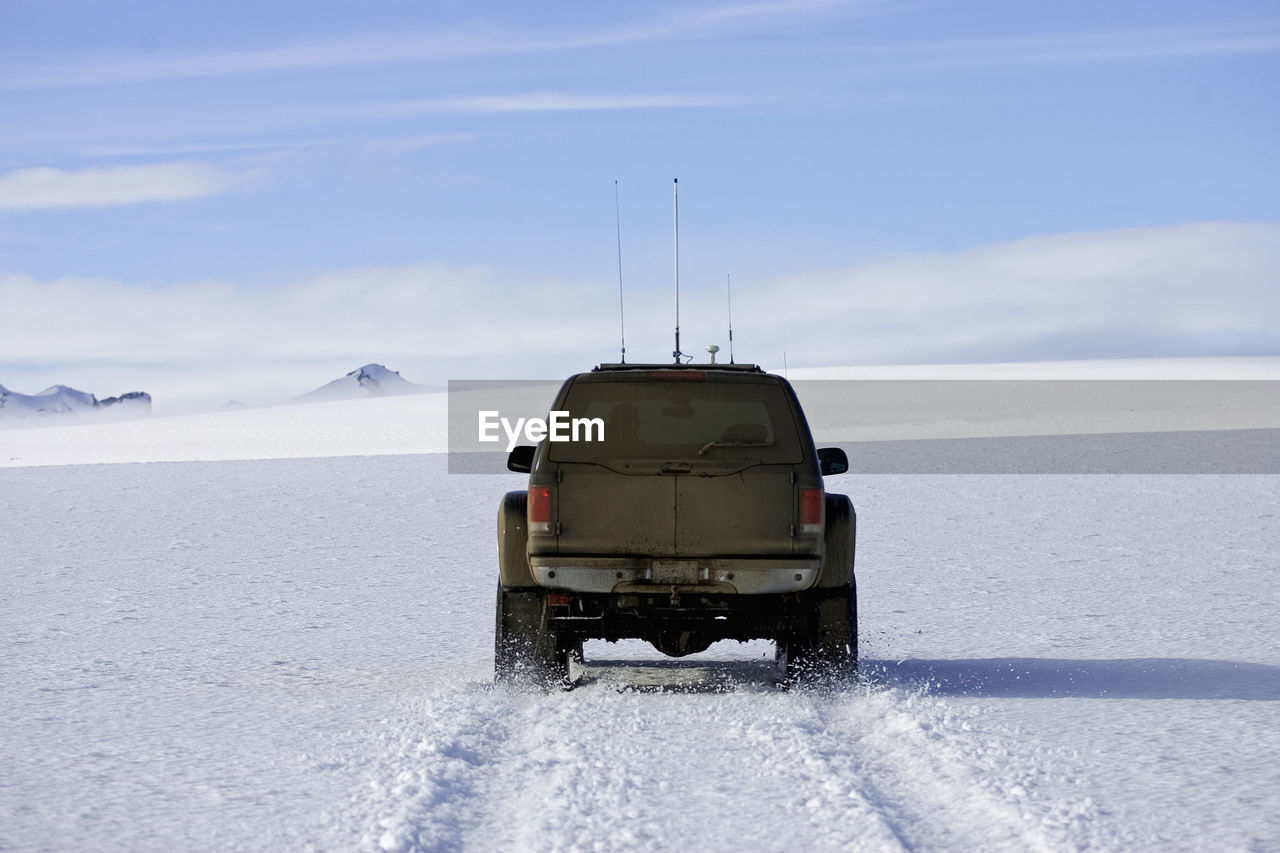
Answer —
898 403
1221 368
374 426
67 404
57 400
281 638
372 380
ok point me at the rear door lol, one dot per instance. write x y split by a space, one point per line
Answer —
605 512
744 514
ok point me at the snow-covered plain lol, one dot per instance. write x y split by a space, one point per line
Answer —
258 652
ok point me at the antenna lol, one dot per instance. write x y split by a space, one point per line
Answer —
675 183
622 313
728 284
784 365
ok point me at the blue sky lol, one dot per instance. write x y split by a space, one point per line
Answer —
247 198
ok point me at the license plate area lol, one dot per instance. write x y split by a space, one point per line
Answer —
675 571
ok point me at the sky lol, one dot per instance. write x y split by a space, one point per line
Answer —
246 200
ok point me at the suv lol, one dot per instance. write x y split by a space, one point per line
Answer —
699 515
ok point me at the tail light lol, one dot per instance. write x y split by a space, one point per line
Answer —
693 375
539 509
811 502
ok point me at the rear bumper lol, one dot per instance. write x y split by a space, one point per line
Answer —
659 613
719 575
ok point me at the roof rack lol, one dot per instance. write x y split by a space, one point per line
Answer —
740 368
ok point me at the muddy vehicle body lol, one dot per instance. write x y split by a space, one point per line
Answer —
699 514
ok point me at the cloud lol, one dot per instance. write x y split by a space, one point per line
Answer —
1199 289
404 144
1243 37
529 102
214 131
201 343
43 188
479 42
442 44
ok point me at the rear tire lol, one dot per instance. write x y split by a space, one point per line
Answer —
525 650
825 646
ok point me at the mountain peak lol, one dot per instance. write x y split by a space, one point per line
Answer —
374 374
64 400
371 380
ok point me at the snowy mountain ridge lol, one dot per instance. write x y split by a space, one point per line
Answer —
371 380
64 400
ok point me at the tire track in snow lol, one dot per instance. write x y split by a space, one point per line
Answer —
608 768
945 783
597 769
866 769
426 775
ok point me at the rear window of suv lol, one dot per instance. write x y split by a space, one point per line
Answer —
711 419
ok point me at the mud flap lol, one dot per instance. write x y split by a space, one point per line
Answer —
525 651
825 647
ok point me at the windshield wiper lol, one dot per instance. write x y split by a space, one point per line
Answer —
702 451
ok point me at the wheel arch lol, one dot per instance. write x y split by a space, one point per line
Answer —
839 541
513 538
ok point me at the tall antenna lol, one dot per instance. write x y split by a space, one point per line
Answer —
728 284
622 314
675 182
